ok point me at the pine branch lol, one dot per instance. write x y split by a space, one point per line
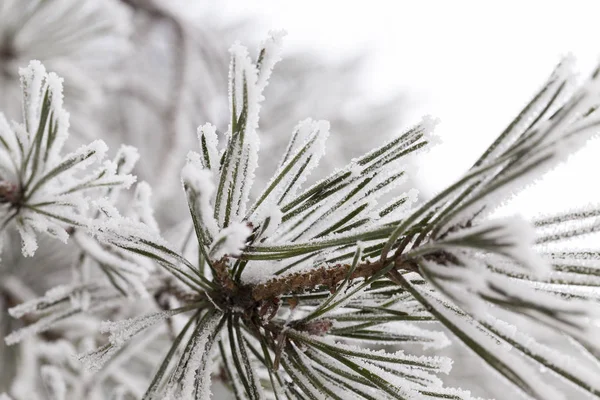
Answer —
291 293
328 277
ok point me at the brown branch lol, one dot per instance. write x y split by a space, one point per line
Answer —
223 275
322 276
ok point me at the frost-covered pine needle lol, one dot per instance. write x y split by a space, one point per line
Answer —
330 290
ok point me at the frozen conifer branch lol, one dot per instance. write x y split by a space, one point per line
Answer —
288 294
42 189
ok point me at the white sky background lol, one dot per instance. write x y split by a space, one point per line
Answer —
472 64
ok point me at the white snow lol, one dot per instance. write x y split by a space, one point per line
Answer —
201 181
208 132
230 241
32 83
28 240
142 205
272 49
127 157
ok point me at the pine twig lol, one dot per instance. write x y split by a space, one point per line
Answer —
322 276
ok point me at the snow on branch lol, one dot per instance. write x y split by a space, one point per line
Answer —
295 293
230 241
43 188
